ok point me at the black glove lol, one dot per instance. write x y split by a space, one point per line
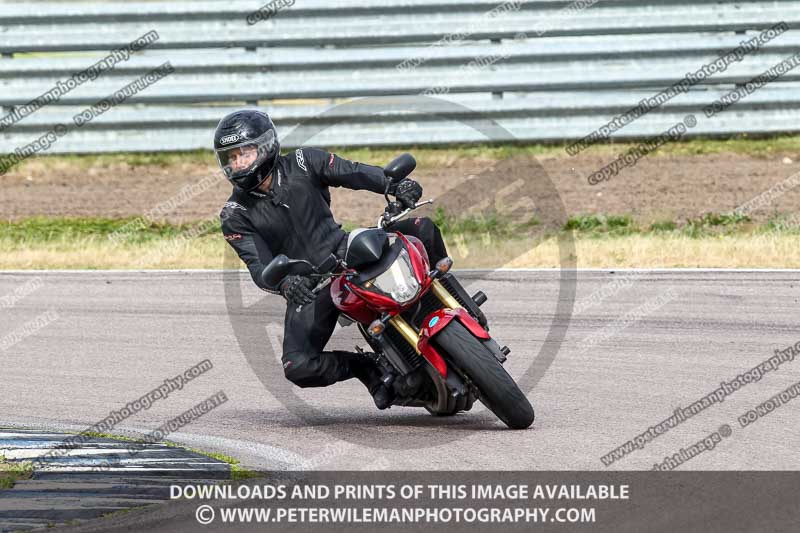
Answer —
408 192
297 290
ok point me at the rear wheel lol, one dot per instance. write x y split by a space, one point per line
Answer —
498 391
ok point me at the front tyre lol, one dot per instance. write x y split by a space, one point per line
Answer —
498 391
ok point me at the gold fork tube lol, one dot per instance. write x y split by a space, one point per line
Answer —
442 293
405 329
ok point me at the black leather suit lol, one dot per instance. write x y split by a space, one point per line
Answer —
294 218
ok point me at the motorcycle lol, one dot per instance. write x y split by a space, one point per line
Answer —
430 338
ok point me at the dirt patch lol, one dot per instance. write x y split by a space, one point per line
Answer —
676 187
673 187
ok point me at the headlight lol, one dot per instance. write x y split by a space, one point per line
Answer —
398 281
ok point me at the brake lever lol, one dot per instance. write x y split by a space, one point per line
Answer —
400 215
316 290
328 278
321 285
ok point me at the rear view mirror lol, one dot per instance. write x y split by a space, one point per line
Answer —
276 270
400 167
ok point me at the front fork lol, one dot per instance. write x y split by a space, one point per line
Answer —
414 338
452 392
434 323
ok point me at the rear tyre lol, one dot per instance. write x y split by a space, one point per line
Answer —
498 391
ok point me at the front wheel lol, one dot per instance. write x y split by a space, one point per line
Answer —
498 391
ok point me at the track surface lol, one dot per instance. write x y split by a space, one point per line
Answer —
119 334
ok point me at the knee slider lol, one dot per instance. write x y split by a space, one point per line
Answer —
297 369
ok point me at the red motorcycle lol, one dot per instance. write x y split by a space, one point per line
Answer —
431 339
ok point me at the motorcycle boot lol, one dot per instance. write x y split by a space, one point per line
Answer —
365 369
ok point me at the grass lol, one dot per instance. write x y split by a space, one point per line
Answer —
491 223
707 225
129 230
583 223
11 472
663 225
665 250
612 240
782 224
430 157
601 225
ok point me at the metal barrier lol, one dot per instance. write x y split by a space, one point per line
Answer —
544 70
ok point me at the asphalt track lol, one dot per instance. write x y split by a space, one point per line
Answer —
117 335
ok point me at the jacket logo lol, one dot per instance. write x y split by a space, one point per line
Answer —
234 205
301 161
330 161
233 236
228 139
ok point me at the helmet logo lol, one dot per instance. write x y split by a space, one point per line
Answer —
228 139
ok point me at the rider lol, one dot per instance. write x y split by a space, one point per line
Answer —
281 205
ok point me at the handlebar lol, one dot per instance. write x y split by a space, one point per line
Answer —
383 221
